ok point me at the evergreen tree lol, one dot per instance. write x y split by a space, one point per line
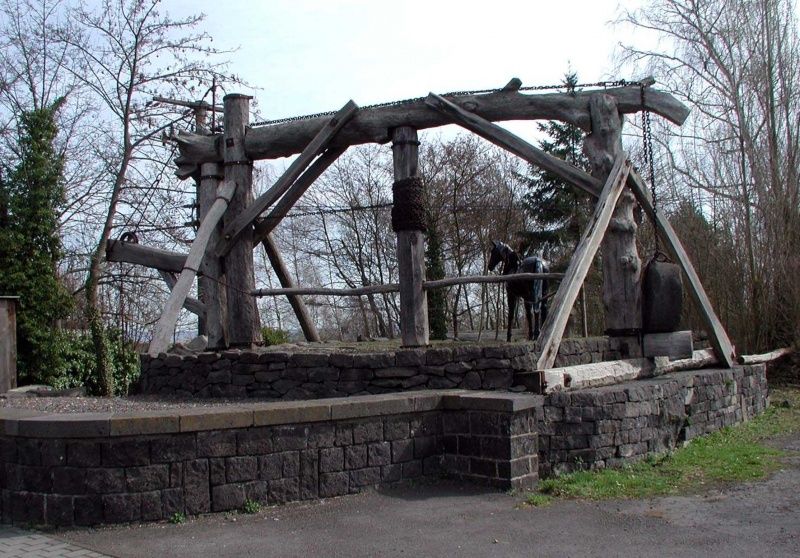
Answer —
30 247
558 210
434 269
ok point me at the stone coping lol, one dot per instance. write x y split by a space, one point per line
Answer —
38 424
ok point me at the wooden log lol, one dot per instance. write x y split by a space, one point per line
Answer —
285 278
556 322
718 337
156 258
8 342
469 279
243 323
191 304
211 291
166 324
410 249
676 344
699 359
373 125
246 218
268 223
622 292
356 291
516 145
765 357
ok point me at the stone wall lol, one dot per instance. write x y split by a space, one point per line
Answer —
103 468
614 425
303 374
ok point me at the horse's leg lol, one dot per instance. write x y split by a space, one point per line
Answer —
512 312
529 318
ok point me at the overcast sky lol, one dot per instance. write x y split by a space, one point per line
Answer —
308 56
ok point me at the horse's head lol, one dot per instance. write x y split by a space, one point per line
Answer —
497 255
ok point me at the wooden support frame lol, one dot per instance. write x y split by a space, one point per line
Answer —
166 323
556 322
717 335
191 304
156 258
374 125
234 229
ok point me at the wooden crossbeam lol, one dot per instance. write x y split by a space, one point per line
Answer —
373 125
357 291
556 322
268 223
513 143
718 337
472 279
166 324
191 304
320 141
299 307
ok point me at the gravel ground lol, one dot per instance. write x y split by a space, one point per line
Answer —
117 404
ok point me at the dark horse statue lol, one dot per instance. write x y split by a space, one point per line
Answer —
533 292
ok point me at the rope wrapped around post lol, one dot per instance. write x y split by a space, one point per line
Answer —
408 211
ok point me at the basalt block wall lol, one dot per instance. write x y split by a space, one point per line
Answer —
86 469
303 375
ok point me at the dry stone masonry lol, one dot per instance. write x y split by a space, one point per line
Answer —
284 374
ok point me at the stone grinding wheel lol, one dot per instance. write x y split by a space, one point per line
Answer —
662 295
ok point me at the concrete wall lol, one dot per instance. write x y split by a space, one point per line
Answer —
303 374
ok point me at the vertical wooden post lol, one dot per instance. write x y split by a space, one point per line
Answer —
285 278
410 248
200 117
239 276
8 342
211 291
621 262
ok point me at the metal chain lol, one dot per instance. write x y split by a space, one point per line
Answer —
615 83
647 147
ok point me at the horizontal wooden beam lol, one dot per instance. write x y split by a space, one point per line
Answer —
374 125
357 291
765 357
516 145
467 279
131 252
245 219
717 335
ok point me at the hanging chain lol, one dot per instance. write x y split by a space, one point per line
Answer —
570 88
647 147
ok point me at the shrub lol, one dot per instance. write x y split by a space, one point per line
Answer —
274 336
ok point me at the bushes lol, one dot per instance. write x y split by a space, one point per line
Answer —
274 336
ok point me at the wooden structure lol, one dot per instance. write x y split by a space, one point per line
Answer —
8 342
318 141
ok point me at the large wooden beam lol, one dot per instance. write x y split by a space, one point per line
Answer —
268 223
243 322
472 279
324 291
717 335
166 323
372 125
246 218
191 304
513 143
556 322
156 258
285 278
209 286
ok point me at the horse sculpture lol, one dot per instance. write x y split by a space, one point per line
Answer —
533 292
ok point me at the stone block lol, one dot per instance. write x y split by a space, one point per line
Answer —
27 507
369 476
240 469
254 441
333 484
283 490
69 480
291 412
152 508
216 470
367 431
290 437
412 469
438 356
105 480
426 446
174 447
227 497
203 419
379 453
122 508
308 360
144 422
270 467
356 374
483 467
87 510
395 428
216 443
59 510
148 478
257 491
355 457
321 435
53 452
391 473
172 502
396 372
331 460
290 464
373 360
410 357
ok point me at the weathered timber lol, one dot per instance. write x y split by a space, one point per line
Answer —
699 359
191 304
243 322
8 342
765 357
245 219
156 258
622 293
266 225
356 291
299 307
553 328
373 125
210 290
717 335
676 344
166 323
410 248
469 279
516 145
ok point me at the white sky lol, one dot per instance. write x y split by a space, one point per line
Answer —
305 56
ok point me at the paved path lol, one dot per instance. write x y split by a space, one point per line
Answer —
16 543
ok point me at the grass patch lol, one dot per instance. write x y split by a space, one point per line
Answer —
538 500
733 454
251 506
